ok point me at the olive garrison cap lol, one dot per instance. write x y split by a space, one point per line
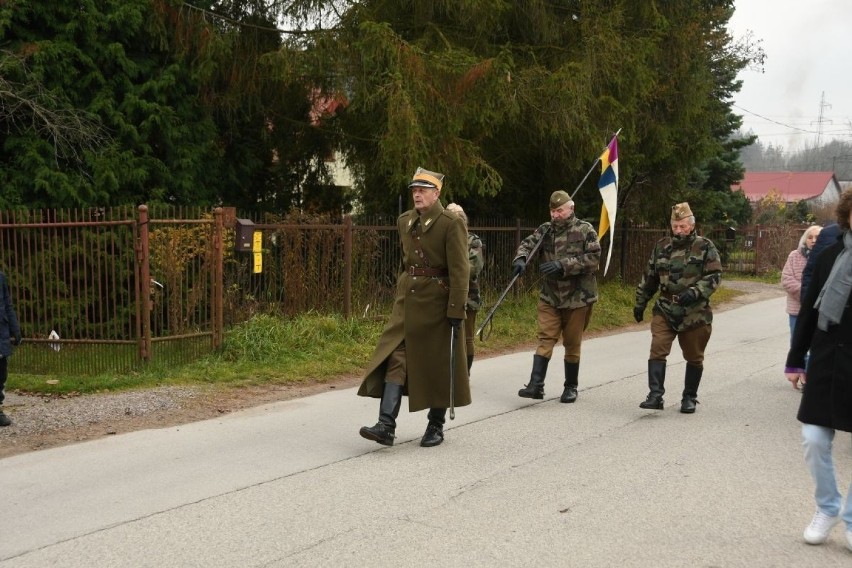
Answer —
681 211
425 178
559 198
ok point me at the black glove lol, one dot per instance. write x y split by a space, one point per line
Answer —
687 297
16 339
551 268
518 267
455 323
638 314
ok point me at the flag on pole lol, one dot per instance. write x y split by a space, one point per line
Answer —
608 186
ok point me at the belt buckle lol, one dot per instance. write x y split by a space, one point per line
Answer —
675 299
411 271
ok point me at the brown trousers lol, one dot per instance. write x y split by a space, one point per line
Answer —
397 367
469 330
692 342
570 323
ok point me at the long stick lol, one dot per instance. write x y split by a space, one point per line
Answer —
588 173
509 287
452 373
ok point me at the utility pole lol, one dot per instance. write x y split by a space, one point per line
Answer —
821 120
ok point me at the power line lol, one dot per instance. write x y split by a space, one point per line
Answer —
774 121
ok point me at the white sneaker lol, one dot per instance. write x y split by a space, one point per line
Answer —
821 525
849 539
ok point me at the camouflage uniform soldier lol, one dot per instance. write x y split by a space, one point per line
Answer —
474 300
686 269
570 254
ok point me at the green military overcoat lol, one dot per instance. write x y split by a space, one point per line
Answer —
420 310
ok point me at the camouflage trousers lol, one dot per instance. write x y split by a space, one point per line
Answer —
569 323
692 342
4 374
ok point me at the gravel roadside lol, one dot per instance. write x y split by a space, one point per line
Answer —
42 422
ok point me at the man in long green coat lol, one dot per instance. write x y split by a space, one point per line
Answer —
413 354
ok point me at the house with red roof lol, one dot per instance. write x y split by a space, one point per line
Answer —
818 189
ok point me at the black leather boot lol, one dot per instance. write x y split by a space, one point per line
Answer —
434 434
384 430
5 420
469 363
572 371
535 388
690 390
656 385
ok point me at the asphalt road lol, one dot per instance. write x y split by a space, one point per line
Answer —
517 482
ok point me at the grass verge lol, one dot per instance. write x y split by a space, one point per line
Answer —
314 347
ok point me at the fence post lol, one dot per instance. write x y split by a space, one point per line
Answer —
143 259
758 243
218 277
347 266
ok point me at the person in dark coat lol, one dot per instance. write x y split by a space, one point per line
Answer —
413 354
824 327
827 236
10 335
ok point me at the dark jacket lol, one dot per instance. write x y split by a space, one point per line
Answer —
420 311
9 326
827 236
827 399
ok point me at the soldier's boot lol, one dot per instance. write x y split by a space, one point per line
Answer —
384 430
572 371
656 385
690 391
434 434
469 363
535 388
4 420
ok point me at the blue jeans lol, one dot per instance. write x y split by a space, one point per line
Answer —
817 441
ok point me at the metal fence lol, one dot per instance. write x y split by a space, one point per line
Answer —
103 290
106 290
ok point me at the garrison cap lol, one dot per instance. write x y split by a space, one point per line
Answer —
425 178
559 198
681 211
457 209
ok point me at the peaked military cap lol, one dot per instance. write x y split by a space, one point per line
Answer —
559 198
425 178
681 211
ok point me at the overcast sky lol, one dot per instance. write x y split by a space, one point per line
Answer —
808 45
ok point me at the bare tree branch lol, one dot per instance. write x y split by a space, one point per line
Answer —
29 106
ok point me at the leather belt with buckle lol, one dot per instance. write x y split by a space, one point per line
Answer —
433 272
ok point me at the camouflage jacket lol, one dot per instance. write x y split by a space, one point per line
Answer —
575 245
675 265
477 262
